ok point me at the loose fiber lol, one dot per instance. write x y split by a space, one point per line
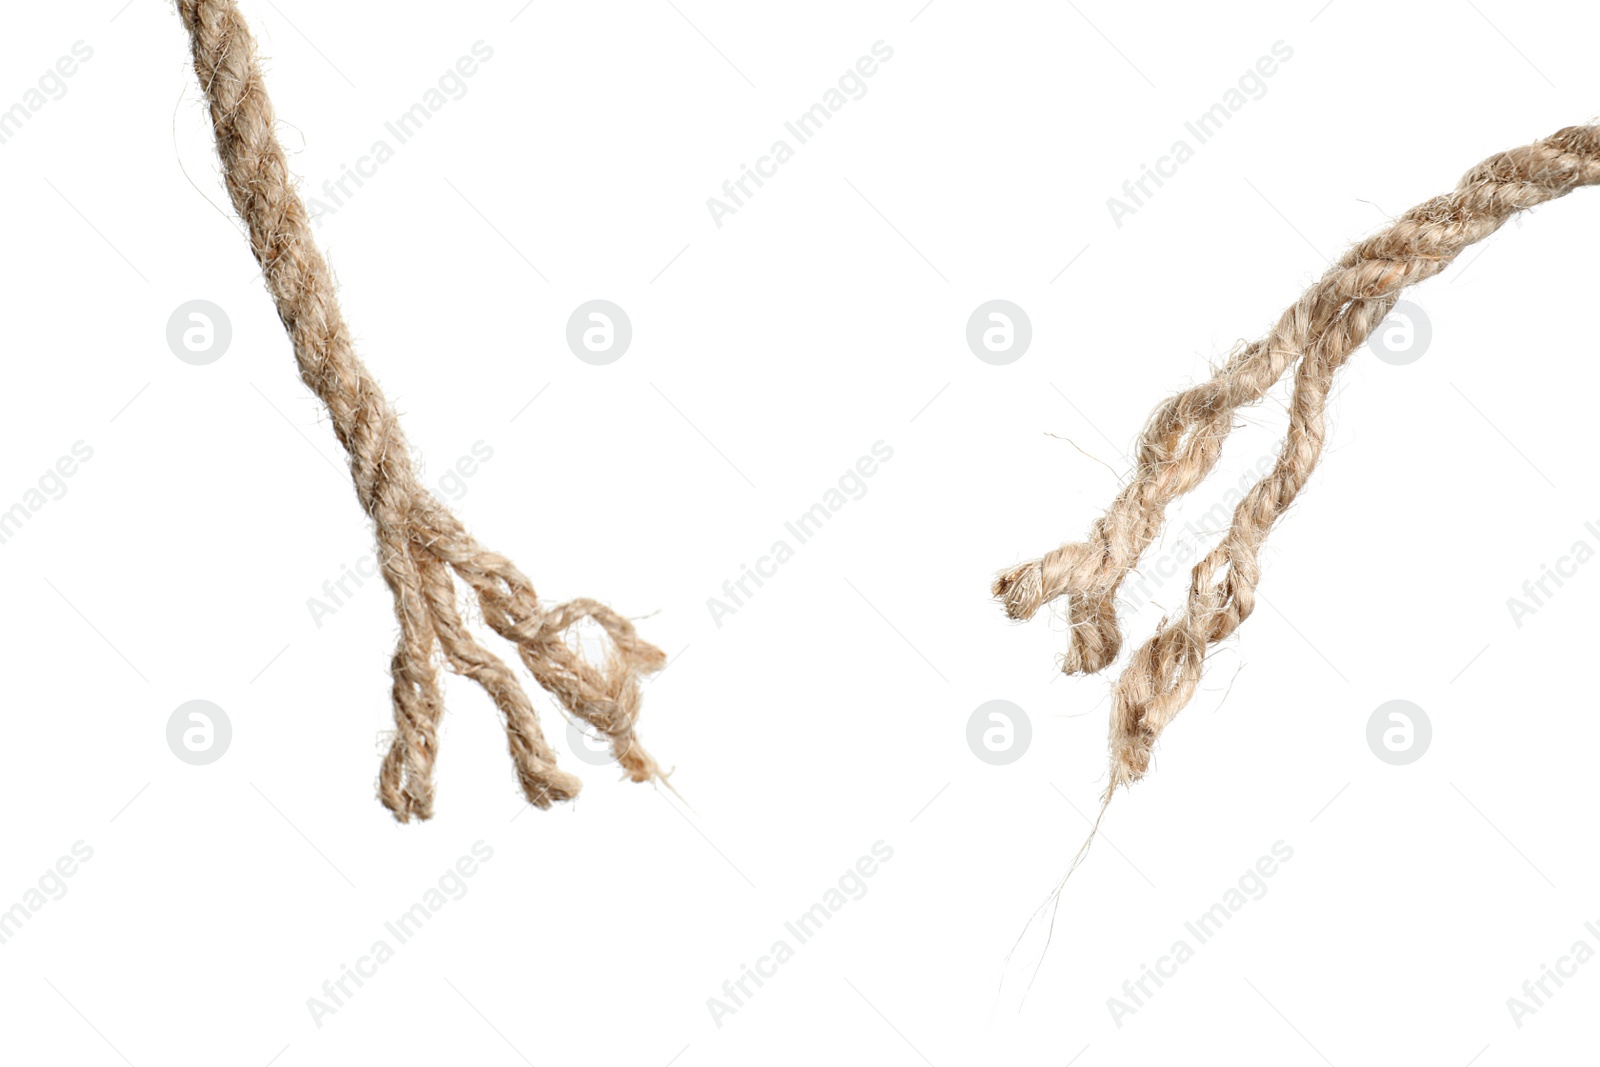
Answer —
423 547
1184 438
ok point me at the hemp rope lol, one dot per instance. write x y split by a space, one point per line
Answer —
1184 437
421 543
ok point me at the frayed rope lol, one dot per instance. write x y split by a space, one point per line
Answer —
423 547
1182 441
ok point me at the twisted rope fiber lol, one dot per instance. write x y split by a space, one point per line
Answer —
423 547
1184 437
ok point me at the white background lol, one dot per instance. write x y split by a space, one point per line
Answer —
830 712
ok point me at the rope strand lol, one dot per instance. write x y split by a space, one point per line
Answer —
423 547
1184 438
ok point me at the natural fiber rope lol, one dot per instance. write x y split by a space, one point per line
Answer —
1184 438
422 545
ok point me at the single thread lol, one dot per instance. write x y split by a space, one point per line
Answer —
423 548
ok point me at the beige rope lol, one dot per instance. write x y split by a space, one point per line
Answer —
1184 438
423 547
